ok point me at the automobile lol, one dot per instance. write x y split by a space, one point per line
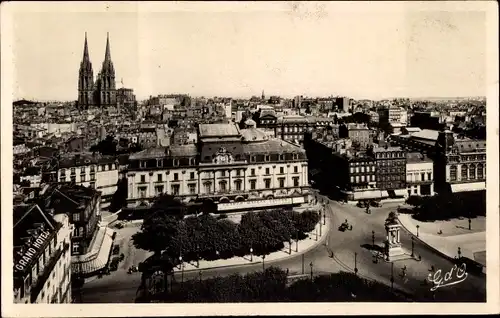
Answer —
116 249
361 204
343 227
375 203
119 225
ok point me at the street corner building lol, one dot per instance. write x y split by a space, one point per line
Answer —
42 257
237 169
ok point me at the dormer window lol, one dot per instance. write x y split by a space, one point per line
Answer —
142 164
295 156
176 162
267 158
252 158
191 161
159 163
63 172
282 157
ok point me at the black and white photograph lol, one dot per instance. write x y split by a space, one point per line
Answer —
249 157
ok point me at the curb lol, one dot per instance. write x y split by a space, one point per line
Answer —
323 237
425 243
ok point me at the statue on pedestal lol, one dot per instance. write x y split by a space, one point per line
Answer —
392 227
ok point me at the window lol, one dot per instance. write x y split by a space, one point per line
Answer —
208 187
176 177
160 177
429 176
192 188
282 157
92 177
282 170
223 173
352 179
159 189
464 172
295 181
252 158
76 217
143 178
267 158
415 191
142 192
472 172
282 182
82 178
267 170
63 172
92 185
176 162
480 174
295 169
252 184
252 172
238 172
142 164
267 183
175 189
103 167
237 185
75 248
73 179
82 170
222 186
72 171
422 176
191 175
110 166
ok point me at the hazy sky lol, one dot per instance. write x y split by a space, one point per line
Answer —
366 50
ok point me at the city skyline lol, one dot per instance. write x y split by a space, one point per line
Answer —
304 50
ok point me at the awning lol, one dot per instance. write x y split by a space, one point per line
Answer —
469 186
363 195
98 257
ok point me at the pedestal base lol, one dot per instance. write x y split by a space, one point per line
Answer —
396 251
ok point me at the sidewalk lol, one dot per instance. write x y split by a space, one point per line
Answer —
447 243
304 246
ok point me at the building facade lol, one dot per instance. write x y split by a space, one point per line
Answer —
359 134
419 174
42 257
102 92
236 169
391 168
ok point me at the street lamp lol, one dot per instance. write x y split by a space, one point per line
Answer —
182 270
418 226
356 263
197 256
199 274
303 269
392 276
320 227
297 242
324 215
469 223
290 246
373 239
251 254
412 246
263 262
459 253
311 265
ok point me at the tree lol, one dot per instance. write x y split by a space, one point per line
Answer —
119 198
157 232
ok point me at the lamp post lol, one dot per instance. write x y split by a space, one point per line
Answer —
182 270
418 226
303 269
412 246
373 239
197 256
290 246
469 223
311 265
392 277
356 263
459 253
316 231
320 227
263 262
297 242
324 215
251 254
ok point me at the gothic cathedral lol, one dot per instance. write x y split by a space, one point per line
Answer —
102 92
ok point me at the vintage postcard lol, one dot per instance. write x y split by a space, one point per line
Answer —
249 158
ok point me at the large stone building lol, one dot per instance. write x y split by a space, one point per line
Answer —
102 92
391 169
237 169
42 256
419 174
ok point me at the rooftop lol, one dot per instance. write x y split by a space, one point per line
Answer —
218 130
426 134
415 157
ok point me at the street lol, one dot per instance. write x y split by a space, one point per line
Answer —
122 287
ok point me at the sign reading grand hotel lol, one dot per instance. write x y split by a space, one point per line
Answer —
32 251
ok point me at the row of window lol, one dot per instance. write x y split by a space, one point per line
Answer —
468 172
362 169
358 179
222 174
415 176
207 186
103 167
390 155
82 179
391 178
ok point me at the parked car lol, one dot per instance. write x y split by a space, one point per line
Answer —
361 204
119 225
375 203
113 266
116 249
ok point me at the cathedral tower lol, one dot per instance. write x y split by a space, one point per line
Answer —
85 79
107 85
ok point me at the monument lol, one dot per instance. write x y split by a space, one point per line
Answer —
393 241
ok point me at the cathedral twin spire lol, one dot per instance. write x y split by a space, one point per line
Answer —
102 92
